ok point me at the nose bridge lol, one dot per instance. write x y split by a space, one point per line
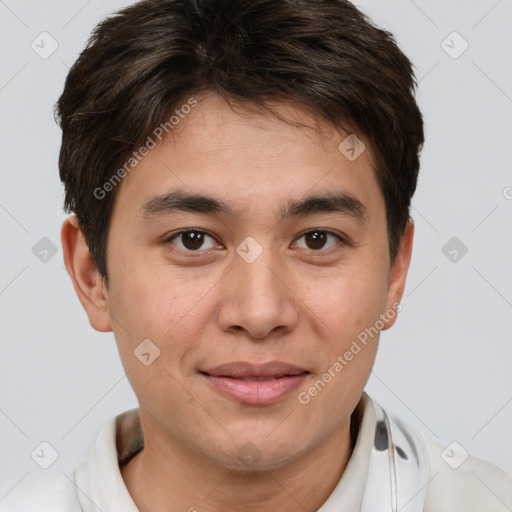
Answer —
257 267
259 276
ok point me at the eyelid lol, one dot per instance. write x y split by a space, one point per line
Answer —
181 231
323 230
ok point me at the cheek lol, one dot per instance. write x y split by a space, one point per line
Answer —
151 332
347 303
148 299
165 308
349 307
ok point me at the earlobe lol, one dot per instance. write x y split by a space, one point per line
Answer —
398 276
89 286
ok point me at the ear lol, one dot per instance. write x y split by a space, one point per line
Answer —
398 276
89 285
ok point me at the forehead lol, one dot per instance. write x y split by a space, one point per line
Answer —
216 125
250 158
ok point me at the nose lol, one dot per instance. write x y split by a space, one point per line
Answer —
258 302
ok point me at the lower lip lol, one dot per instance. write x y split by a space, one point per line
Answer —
256 392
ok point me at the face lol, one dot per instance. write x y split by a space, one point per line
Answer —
255 301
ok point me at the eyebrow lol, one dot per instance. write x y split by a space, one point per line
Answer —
328 202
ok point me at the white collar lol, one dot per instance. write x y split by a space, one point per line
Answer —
101 485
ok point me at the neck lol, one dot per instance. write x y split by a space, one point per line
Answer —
195 483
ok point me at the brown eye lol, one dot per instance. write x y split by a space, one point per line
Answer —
192 240
317 239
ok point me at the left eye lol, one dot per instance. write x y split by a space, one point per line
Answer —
193 239
317 239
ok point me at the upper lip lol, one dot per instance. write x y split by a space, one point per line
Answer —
243 370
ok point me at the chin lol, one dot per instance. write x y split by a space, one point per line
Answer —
258 454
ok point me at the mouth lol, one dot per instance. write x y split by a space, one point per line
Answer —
255 384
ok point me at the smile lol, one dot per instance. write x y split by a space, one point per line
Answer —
255 384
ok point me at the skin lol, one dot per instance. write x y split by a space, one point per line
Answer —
294 303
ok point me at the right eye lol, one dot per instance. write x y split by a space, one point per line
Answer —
191 240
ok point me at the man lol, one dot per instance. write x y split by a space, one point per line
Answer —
240 175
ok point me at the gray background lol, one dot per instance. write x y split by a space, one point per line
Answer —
446 365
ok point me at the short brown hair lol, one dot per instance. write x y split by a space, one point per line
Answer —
146 59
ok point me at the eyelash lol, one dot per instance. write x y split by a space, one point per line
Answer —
341 240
